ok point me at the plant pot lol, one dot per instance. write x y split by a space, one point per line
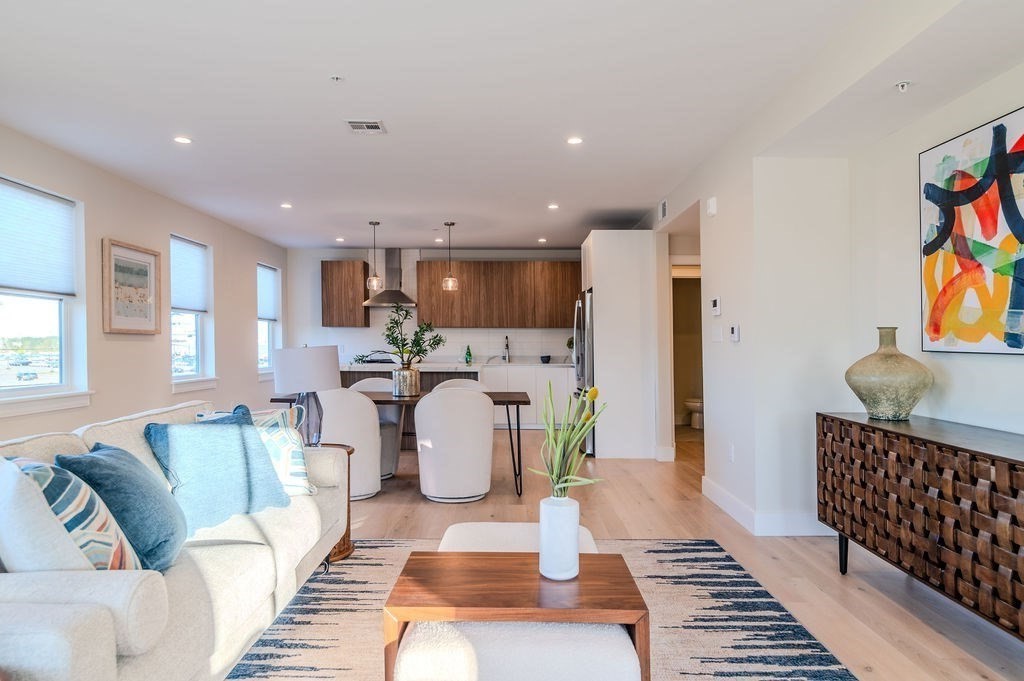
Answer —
887 382
407 382
559 538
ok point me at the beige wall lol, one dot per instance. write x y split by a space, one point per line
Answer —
686 343
132 373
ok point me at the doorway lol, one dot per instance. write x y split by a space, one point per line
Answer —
688 371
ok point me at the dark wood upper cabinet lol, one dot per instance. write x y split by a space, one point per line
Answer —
498 294
343 290
557 286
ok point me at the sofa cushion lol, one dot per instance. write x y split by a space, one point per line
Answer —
282 440
215 471
289 532
136 599
54 521
43 447
127 432
140 501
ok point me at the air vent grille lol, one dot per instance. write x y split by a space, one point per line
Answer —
367 127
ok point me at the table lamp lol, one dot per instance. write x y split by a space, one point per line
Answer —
307 371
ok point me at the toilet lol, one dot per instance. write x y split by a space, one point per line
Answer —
696 407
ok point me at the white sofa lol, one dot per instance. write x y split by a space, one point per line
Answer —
191 623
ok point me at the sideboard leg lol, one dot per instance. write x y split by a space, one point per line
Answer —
844 553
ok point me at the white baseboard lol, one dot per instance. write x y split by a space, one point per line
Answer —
764 524
663 453
728 502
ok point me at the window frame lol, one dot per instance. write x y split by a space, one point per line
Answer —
274 331
206 379
73 390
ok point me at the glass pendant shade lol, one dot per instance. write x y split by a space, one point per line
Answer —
449 283
374 283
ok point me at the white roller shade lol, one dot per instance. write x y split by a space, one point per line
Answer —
37 240
267 287
190 275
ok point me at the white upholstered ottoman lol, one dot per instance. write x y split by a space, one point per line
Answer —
513 651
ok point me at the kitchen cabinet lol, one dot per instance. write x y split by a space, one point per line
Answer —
532 380
513 294
556 286
342 292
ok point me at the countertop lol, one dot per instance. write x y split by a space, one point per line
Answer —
455 366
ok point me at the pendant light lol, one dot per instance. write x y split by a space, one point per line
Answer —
374 283
449 283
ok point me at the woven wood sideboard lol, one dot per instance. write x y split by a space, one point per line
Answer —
942 501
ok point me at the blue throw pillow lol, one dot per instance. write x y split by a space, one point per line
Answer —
148 515
215 470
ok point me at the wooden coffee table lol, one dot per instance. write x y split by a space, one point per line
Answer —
507 587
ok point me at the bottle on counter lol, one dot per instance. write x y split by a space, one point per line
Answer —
469 356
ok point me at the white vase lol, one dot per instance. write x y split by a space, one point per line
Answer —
559 538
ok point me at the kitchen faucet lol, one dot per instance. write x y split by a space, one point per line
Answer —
505 356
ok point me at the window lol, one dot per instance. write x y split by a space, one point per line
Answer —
42 335
268 312
191 326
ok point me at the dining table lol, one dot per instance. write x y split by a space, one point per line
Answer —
500 399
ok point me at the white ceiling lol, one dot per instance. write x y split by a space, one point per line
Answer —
478 98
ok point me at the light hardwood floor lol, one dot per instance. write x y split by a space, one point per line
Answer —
876 620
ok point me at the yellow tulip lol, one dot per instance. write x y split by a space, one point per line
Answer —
586 417
592 394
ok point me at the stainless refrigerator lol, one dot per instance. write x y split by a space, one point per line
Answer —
583 352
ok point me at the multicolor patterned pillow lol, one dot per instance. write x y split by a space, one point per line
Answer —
279 430
54 521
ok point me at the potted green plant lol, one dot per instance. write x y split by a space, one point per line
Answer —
563 459
407 349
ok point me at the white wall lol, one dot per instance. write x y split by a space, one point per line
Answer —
977 389
132 373
631 279
758 411
304 314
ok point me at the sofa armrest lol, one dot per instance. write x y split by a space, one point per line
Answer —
136 599
327 466
45 642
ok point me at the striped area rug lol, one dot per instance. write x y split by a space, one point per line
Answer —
709 618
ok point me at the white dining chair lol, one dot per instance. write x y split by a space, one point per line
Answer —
390 417
463 383
350 418
454 439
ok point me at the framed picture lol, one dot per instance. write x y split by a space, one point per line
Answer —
131 288
972 263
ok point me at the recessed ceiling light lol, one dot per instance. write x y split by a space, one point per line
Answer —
181 139
439 241
575 140
340 238
286 205
542 240
552 206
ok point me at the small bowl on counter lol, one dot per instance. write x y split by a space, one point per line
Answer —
545 359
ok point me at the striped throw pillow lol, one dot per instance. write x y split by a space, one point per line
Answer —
54 521
278 427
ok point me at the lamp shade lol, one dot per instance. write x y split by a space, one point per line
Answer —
306 369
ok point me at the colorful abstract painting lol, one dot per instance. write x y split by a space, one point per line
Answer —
972 230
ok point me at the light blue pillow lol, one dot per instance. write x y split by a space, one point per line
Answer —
215 470
138 499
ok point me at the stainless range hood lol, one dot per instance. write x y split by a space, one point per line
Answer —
392 292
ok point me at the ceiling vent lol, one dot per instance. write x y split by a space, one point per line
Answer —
367 127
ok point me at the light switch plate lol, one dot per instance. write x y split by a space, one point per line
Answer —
734 333
716 307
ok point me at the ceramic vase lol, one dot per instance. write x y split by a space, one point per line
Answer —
559 538
406 381
887 382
